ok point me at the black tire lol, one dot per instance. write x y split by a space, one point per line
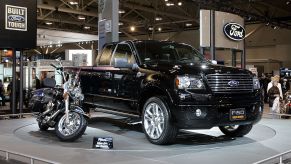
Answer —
42 127
169 132
240 131
78 132
85 125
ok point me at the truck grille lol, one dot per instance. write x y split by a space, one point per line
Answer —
230 83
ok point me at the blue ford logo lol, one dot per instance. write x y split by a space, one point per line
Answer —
234 31
16 18
233 83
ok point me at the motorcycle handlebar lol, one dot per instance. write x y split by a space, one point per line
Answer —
58 68
54 66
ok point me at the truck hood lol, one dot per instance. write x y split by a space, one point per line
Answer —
197 69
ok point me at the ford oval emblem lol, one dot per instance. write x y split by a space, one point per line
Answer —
234 31
233 83
16 18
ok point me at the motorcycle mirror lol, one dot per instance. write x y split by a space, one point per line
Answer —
58 59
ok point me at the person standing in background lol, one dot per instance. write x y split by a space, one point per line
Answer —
17 91
264 83
275 95
37 83
2 93
42 77
270 85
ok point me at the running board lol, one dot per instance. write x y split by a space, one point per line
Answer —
116 112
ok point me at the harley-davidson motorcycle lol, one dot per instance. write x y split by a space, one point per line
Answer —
60 107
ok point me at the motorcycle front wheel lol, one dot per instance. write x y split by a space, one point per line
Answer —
72 129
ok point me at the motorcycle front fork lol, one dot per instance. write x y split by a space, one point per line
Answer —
67 109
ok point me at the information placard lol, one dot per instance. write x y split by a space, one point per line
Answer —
18 24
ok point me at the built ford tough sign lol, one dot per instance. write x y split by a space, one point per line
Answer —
170 86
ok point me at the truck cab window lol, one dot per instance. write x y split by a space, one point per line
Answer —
123 51
105 55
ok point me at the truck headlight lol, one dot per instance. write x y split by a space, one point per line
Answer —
256 83
186 82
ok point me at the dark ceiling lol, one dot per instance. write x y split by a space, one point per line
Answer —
145 14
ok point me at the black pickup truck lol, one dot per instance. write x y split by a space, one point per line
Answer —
171 86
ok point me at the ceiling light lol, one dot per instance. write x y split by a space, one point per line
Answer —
121 11
48 23
159 29
179 3
159 18
151 28
81 17
120 23
188 24
169 4
132 28
73 3
166 0
87 27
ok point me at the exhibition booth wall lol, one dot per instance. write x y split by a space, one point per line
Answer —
266 46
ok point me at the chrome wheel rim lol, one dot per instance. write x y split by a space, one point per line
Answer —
69 127
154 121
231 127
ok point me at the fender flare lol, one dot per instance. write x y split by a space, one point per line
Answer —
78 109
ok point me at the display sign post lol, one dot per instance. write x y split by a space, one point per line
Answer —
17 32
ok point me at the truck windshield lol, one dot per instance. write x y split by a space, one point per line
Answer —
167 52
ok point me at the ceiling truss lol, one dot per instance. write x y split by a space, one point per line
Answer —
142 14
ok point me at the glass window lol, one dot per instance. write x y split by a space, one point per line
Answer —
106 55
167 52
123 51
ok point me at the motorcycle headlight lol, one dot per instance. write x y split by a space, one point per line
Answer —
256 83
188 82
77 93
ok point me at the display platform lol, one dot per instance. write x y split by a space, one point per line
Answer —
128 137
269 137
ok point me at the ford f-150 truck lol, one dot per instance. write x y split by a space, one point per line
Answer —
171 86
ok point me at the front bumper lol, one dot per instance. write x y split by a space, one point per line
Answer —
215 111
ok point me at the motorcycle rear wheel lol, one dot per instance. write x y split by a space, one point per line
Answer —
71 130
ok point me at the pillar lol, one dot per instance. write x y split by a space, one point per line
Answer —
108 27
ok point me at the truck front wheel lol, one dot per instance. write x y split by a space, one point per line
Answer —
236 130
156 121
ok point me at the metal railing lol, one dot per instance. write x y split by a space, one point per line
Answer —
278 114
279 156
31 158
18 114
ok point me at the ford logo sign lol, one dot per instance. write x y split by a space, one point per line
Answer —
233 83
16 18
234 31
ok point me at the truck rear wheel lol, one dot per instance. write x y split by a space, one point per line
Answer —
236 130
156 121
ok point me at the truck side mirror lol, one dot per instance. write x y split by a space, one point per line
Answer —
122 63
